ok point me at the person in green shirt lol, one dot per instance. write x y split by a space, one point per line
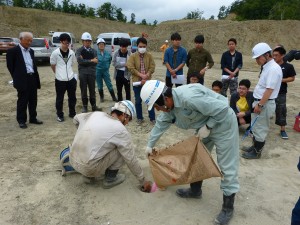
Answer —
198 59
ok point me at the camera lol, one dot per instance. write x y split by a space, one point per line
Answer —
293 54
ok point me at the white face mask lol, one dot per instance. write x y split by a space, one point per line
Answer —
142 50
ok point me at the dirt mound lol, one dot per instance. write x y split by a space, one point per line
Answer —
216 32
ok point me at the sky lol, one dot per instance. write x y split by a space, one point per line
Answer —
161 10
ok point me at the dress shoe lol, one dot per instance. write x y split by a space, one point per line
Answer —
36 121
23 125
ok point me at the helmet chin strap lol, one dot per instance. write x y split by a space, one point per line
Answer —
124 120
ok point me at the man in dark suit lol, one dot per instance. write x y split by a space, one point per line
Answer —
20 63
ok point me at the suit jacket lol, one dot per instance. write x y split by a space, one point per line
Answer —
17 68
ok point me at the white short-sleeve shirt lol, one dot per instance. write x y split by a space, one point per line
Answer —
270 77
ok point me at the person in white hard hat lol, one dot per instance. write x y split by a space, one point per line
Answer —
163 49
102 145
102 70
87 61
196 107
265 93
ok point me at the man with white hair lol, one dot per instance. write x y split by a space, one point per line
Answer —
102 145
21 65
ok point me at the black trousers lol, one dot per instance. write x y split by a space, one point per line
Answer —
170 84
27 98
120 82
61 87
88 81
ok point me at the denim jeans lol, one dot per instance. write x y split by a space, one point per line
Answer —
138 105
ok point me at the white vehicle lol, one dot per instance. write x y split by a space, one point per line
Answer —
42 48
56 42
112 41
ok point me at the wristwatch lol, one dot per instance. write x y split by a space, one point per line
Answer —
260 105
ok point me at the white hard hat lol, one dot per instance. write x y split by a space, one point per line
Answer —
86 36
151 91
166 41
126 107
260 49
100 40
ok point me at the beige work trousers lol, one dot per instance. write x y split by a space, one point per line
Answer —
112 160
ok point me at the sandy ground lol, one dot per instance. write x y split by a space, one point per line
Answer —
32 190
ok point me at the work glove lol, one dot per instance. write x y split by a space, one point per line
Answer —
203 132
148 151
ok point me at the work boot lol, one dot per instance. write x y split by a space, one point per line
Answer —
251 148
95 108
193 192
112 93
101 93
188 193
112 178
255 153
227 210
84 109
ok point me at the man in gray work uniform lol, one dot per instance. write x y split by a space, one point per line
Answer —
196 107
87 61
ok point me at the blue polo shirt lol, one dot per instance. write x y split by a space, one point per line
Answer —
181 57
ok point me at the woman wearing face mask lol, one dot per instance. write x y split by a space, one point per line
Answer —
141 66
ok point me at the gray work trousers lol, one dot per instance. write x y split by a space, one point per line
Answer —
262 125
225 137
87 81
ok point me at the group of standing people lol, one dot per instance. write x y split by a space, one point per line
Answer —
190 106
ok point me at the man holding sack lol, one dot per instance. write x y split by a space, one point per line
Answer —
196 107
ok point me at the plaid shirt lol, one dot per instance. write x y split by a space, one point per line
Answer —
142 69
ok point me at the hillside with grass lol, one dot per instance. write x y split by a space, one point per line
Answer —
216 32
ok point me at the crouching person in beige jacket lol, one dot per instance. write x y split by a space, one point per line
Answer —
102 145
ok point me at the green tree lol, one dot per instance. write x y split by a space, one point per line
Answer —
144 22
197 14
132 18
90 12
120 16
19 3
212 17
66 6
107 11
45 5
155 22
82 9
223 12
266 9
